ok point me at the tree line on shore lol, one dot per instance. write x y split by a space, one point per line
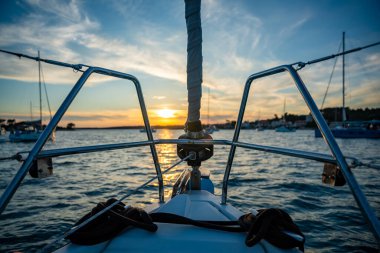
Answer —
330 114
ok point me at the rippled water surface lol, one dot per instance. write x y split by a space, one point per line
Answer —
43 209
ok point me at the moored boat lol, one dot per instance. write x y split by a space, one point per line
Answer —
25 135
211 129
356 129
3 134
350 129
28 131
285 128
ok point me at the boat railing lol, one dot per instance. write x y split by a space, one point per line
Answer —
340 160
336 157
320 157
33 154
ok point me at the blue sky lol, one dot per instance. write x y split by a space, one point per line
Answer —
148 39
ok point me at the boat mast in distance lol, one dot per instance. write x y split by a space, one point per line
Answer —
39 89
343 80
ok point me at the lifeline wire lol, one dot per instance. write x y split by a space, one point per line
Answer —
75 67
369 165
331 75
301 65
74 229
46 93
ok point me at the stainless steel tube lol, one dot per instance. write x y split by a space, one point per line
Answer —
360 198
14 184
107 147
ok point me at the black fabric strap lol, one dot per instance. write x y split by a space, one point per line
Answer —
274 226
135 217
269 224
111 223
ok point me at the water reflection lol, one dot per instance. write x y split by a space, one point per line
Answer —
167 155
257 180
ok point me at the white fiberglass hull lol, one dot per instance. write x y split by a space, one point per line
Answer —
197 205
25 137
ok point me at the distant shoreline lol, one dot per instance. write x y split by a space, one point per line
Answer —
161 127
305 121
119 127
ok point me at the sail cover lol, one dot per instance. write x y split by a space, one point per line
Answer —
194 60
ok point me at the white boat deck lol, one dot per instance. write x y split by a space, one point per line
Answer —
197 205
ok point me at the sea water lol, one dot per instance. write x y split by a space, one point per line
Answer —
43 209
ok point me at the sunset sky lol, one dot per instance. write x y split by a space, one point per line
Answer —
148 40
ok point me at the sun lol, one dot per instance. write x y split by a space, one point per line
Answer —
166 113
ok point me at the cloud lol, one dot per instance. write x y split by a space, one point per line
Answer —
229 45
236 44
64 10
74 37
288 31
83 116
124 7
159 97
49 33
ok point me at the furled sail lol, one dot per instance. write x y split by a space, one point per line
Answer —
194 63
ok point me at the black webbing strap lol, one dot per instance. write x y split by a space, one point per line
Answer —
135 217
111 223
273 225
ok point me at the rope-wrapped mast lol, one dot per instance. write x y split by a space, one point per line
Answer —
194 63
194 88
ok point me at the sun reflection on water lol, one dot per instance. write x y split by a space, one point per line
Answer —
167 155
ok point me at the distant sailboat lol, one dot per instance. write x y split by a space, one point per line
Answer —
3 132
30 131
210 129
284 128
351 129
259 125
